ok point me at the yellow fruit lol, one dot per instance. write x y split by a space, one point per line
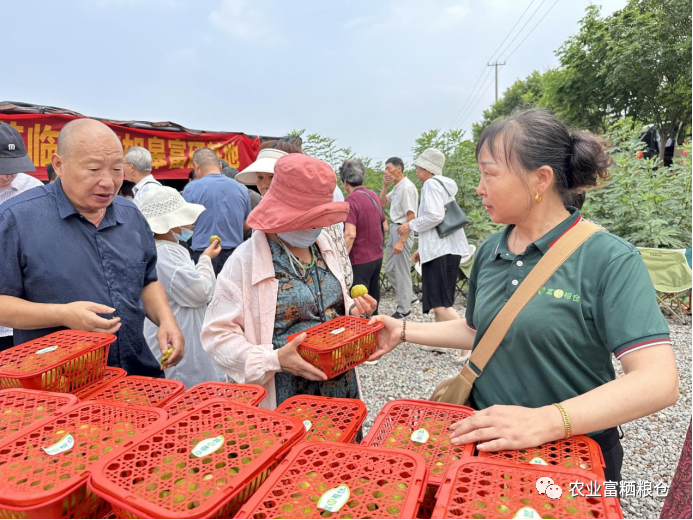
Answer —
358 291
213 238
166 355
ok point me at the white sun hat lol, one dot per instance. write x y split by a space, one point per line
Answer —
264 163
431 160
165 209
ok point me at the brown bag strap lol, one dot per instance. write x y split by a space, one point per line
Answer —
544 269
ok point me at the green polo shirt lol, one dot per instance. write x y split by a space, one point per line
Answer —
599 303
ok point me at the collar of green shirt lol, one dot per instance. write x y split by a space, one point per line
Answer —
543 244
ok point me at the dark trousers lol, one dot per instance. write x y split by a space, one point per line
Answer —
218 262
612 451
6 342
369 275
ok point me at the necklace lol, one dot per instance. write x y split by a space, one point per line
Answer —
295 262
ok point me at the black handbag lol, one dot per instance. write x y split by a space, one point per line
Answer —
454 218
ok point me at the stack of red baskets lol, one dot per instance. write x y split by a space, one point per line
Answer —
482 488
422 427
64 361
326 418
205 462
138 391
330 479
20 408
109 375
44 467
251 395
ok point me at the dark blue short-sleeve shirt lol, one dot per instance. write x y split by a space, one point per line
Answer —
52 254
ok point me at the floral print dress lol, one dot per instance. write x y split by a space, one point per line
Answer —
298 310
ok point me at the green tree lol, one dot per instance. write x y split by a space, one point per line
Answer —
635 63
524 93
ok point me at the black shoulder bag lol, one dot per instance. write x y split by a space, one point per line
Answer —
454 218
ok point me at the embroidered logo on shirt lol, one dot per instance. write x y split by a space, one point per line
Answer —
559 294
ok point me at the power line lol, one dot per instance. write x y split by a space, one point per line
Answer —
466 103
530 32
472 107
482 79
523 27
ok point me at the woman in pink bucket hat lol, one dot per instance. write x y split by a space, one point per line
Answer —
284 280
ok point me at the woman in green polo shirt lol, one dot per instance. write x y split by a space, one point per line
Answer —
600 303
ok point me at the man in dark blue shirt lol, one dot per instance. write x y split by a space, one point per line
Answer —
73 252
227 203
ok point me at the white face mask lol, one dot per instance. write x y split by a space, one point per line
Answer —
305 238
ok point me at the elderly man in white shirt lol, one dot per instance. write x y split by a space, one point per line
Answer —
13 162
440 257
138 169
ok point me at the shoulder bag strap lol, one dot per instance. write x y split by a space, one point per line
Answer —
443 185
377 206
548 265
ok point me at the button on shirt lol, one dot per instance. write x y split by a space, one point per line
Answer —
51 254
403 197
228 206
20 184
600 303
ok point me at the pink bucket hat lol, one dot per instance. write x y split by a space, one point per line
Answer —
300 197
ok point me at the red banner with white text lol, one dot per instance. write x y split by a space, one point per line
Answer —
171 151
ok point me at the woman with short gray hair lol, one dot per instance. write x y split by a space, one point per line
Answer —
363 228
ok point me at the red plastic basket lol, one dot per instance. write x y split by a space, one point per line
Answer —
64 361
109 375
251 395
138 391
340 344
382 483
399 419
38 480
203 463
326 418
577 452
20 408
483 488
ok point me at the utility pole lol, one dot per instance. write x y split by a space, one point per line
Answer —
496 64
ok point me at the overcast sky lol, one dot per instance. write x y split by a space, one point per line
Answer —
372 74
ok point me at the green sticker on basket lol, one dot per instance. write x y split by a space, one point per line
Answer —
64 444
47 349
334 499
527 513
307 424
338 331
539 461
421 435
208 446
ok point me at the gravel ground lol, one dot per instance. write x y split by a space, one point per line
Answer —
652 445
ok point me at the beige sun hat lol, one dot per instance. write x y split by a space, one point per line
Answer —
264 163
165 209
431 160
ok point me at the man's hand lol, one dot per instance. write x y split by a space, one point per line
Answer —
85 316
398 248
292 362
415 257
170 334
403 230
387 180
213 250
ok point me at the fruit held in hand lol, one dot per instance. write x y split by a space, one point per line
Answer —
213 238
359 290
165 357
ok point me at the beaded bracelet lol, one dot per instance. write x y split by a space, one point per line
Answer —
403 335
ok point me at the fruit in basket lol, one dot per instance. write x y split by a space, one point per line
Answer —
213 238
166 355
359 290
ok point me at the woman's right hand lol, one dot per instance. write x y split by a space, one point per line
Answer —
213 250
292 362
388 337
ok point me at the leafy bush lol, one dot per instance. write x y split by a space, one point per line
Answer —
648 205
